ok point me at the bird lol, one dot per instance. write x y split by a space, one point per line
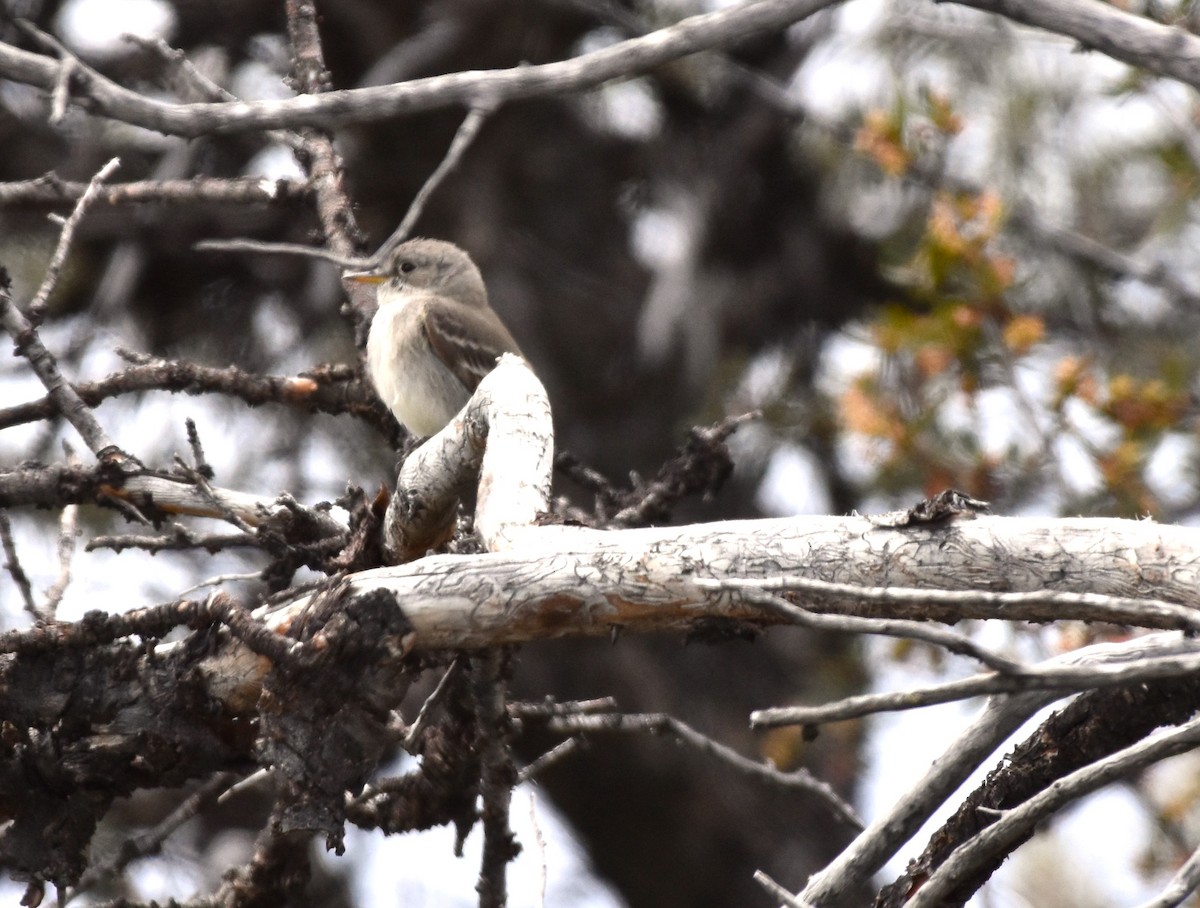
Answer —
434 336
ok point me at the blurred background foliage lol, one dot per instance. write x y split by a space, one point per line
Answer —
934 248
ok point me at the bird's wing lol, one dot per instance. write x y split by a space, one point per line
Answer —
466 340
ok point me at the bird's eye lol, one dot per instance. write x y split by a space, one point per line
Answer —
406 267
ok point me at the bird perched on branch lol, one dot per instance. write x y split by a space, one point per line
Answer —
434 336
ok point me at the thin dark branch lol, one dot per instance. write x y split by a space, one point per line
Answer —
1049 676
550 708
327 389
322 161
413 733
63 396
498 775
1088 729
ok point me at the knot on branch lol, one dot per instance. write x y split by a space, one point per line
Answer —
324 713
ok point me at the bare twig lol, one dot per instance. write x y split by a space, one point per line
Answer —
855 865
549 708
68 65
12 564
65 399
1130 38
151 841
60 97
1019 606
1092 727
463 137
1000 717
198 85
219 579
25 337
540 841
252 781
262 247
199 461
324 165
1048 676
658 723
1185 881
180 539
889 627
723 28
38 304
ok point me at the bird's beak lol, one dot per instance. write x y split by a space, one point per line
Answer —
364 277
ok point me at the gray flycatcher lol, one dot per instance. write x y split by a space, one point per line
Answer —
434 336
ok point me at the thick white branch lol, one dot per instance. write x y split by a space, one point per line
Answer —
504 437
570 581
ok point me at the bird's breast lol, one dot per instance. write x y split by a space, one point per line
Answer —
408 375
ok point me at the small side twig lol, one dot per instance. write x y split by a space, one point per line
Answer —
776 891
1028 605
467 131
555 754
1051 676
199 461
